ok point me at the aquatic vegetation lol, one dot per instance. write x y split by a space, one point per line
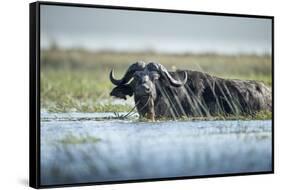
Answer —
263 115
73 139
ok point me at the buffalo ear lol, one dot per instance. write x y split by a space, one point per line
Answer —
121 91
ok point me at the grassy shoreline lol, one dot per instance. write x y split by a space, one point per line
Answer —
77 80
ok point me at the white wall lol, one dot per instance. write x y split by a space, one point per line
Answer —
14 93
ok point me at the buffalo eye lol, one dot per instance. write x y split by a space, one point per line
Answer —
137 74
154 76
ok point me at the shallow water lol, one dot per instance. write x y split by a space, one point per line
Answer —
83 147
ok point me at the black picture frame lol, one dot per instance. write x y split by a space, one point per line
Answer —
34 91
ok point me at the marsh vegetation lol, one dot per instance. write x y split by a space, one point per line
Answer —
77 79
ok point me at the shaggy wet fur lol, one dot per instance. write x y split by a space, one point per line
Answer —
205 95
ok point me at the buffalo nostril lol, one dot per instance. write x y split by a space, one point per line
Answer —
147 90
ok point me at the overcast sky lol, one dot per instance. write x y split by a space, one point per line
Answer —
124 30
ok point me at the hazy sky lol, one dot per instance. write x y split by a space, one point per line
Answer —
125 30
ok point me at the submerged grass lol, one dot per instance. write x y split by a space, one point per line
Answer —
71 139
77 80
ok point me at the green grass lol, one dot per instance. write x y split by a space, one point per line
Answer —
77 80
64 90
263 115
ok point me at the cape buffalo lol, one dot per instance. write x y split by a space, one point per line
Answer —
159 93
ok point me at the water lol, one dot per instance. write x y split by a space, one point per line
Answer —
86 147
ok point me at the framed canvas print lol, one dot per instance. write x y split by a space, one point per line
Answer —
126 94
